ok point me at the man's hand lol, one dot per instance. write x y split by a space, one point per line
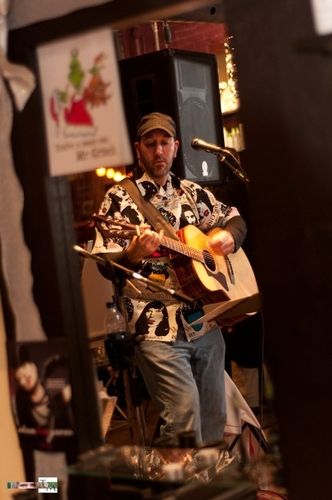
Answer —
222 243
142 246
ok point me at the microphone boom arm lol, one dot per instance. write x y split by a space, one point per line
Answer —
103 261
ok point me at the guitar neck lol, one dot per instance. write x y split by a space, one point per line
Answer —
174 245
182 248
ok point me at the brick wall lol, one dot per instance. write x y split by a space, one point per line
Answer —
198 37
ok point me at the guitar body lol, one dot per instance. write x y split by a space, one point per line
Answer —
202 274
216 278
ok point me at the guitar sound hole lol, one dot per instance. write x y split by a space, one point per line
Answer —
209 261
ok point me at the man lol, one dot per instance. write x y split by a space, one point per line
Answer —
183 367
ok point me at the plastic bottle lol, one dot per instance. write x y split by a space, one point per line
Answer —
118 342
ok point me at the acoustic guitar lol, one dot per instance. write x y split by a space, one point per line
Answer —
202 274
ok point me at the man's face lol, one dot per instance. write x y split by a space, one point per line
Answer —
154 316
156 152
27 376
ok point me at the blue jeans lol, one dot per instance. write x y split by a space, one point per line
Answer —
186 382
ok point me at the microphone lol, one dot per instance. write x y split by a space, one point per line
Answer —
206 146
222 154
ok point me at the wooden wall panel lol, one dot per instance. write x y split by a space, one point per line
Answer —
286 103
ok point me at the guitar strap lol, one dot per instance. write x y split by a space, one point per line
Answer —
148 210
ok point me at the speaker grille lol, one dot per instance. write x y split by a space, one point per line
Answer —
198 165
191 75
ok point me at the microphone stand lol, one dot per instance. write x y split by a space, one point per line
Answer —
102 260
237 170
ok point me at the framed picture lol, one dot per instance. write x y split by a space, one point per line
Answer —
82 103
41 390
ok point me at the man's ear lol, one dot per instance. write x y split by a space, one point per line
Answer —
137 152
176 147
137 148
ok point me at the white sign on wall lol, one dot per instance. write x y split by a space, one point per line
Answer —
82 103
322 16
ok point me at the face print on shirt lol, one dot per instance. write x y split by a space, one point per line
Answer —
149 189
187 216
153 320
203 198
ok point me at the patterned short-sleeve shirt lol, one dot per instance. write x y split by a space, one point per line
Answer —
153 313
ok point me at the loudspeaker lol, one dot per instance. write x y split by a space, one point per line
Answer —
182 84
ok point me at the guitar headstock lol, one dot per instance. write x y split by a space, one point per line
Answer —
116 228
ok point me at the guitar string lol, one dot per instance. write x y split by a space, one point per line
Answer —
178 246
202 256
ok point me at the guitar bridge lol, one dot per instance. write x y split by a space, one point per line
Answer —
230 270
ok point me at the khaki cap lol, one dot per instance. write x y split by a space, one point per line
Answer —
155 121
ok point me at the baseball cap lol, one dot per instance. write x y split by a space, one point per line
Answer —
156 121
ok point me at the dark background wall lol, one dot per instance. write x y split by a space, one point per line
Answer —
285 87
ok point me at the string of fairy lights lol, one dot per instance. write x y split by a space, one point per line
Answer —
113 174
229 94
230 100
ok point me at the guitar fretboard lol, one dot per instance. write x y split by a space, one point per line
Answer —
170 243
180 247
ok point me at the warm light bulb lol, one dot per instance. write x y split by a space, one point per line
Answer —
101 171
110 173
118 176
